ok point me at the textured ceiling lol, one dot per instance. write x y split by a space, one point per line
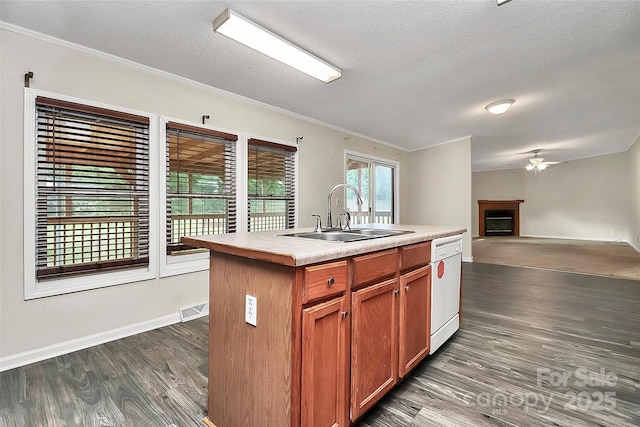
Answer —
414 73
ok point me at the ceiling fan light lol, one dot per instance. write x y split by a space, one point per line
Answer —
536 163
499 107
250 34
536 160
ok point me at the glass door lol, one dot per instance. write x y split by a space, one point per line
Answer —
383 211
375 180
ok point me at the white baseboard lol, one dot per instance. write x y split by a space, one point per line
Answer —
595 239
43 353
467 259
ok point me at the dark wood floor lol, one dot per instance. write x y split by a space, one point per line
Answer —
517 321
536 348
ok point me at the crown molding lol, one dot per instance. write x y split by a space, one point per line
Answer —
183 80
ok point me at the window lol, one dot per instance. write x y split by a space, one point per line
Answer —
200 184
270 185
92 185
375 180
95 175
87 195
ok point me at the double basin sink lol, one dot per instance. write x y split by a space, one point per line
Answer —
353 235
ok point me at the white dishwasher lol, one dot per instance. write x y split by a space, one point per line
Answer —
446 270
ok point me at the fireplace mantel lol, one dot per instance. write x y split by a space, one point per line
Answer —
506 205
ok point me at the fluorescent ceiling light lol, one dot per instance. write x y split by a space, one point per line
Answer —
499 107
254 36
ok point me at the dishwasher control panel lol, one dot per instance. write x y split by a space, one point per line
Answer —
446 247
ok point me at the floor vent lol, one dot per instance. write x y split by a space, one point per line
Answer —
194 312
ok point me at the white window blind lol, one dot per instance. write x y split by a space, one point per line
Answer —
201 183
271 185
92 189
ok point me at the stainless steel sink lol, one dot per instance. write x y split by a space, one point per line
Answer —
354 235
331 236
377 232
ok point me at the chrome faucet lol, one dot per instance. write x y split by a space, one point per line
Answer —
318 228
329 220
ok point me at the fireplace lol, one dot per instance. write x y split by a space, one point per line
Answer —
499 217
498 222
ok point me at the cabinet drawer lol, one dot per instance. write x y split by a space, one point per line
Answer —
375 266
324 280
415 255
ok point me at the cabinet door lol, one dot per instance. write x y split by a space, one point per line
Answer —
415 317
374 344
325 369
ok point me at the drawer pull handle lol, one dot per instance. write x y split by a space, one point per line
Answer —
345 313
406 288
396 292
331 281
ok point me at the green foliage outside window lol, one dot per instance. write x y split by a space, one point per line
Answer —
266 187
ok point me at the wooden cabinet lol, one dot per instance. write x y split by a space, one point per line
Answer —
415 306
414 256
415 317
324 280
374 340
331 338
325 364
374 344
374 267
391 321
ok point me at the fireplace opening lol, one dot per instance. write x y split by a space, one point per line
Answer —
499 217
499 223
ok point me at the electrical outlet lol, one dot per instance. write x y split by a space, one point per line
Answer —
251 310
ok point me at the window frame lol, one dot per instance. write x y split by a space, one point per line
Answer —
243 178
34 288
183 263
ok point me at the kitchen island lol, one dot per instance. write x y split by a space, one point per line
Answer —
337 325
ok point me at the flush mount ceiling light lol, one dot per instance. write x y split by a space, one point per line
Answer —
536 164
240 29
499 107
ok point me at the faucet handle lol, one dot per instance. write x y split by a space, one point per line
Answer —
318 228
347 214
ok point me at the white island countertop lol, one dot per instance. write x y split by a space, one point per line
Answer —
272 246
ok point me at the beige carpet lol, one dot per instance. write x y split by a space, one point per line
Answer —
612 259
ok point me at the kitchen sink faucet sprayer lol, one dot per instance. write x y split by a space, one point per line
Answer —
329 220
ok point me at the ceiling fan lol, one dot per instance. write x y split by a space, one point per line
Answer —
537 164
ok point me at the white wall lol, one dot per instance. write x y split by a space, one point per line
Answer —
436 188
43 327
634 200
495 185
580 199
